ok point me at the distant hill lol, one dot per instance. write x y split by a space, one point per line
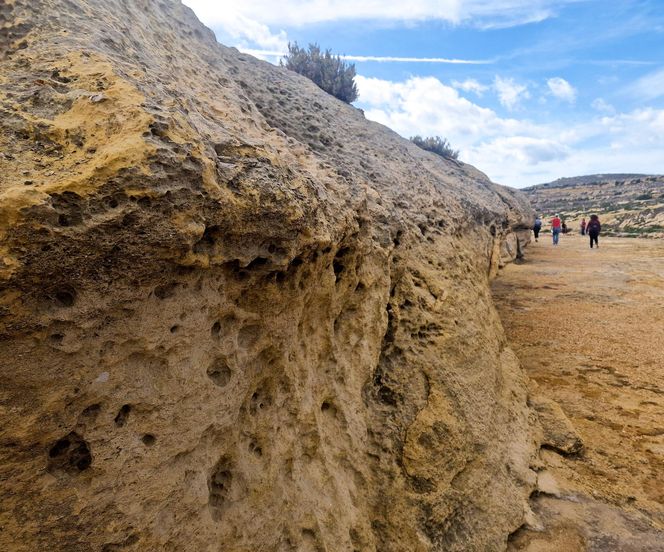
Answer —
627 204
589 179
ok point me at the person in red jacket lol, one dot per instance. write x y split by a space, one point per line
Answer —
583 226
556 227
593 229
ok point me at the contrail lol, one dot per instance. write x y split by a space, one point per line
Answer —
380 59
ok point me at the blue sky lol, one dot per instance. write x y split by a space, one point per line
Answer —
528 90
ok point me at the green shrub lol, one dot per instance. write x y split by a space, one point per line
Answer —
329 72
436 144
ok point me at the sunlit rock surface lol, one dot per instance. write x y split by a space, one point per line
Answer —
234 314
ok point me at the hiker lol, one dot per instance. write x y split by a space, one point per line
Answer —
537 226
564 227
583 226
556 226
593 229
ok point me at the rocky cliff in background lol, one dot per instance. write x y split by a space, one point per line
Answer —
234 314
627 205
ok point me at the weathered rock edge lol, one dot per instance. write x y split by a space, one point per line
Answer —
234 314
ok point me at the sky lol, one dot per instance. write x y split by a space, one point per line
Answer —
528 90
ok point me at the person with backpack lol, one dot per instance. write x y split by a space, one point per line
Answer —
593 229
583 226
537 226
556 227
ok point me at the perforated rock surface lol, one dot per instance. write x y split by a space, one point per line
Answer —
234 314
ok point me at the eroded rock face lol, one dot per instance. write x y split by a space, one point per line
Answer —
235 315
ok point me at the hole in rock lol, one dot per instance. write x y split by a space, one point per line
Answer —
342 252
91 411
257 262
216 329
422 485
148 439
260 400
70 454
219 486
308 535
255 449
210 237
56 338
337 264
123 414
165 291
130 219
65 297
174 329
220 373
328 409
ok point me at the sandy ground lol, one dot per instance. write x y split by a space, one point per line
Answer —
588 326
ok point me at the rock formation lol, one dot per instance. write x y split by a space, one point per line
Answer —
234 314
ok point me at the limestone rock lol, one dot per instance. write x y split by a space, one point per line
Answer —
547 484
234 314
559 433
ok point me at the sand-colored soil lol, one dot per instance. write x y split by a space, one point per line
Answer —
588 327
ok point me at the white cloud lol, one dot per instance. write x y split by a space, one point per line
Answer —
648 87
416 59
561 89
515 151
424 105
470 85
263 54
250 23
243 29
510 93
526 150
601 105
483 13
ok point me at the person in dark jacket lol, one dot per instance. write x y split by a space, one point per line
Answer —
593 229
537 227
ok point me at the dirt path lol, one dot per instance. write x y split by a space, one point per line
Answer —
588 326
